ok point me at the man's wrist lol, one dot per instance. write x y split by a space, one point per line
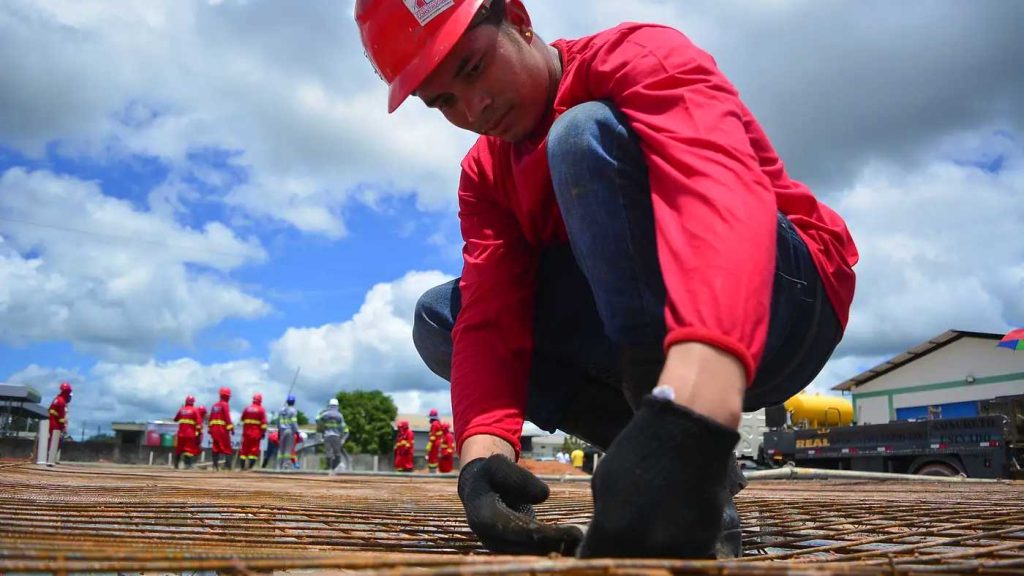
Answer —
484 445
705 379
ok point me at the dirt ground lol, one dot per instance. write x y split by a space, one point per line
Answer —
551 467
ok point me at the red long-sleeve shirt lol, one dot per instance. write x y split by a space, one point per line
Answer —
716 185
188 421
59 413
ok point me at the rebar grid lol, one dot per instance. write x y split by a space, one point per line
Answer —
78 518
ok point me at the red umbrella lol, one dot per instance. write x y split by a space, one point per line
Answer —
1014 340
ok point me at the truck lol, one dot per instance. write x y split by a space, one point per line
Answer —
990 445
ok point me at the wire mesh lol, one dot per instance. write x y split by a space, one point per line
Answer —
117 519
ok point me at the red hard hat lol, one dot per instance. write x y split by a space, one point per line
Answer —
65 388
257 398
406 39
433 412
190 400
403 424
225 392
201 409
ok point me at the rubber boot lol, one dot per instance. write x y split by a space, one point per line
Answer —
177 461
188 461
216 461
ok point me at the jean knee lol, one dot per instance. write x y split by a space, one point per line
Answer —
577 126
432 328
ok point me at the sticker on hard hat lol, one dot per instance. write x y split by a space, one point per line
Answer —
426 10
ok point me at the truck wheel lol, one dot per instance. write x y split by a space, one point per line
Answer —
937 469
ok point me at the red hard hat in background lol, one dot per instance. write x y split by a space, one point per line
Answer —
406 39
225 392
190 400
433 412
65 388
257 398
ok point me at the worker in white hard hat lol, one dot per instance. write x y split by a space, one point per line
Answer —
331 423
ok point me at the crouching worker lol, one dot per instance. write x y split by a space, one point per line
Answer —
639 269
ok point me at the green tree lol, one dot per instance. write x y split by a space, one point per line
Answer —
571 443
369 415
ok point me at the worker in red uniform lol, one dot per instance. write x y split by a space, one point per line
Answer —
404 447
254 428
433 441
200 419
639 269
186 445
58 423
446 458
220 427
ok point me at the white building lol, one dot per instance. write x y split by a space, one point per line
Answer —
944 377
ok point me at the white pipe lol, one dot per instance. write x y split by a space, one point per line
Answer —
42 441
794 473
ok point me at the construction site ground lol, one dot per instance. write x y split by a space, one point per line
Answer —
117 519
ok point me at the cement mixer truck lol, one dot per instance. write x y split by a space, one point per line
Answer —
817 431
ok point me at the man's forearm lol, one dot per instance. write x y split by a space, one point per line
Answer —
483 445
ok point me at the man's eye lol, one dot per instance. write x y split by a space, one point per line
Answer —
475 69
446 102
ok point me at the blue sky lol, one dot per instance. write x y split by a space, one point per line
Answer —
196 194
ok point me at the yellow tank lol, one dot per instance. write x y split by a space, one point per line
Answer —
819 411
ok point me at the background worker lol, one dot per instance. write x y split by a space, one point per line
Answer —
58 423
254 427
331 423
638 269
287 432
446 456
220 427
186 446
405 442
576 457
272 445
433 441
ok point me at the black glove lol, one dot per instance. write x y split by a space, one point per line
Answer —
497 495
659 491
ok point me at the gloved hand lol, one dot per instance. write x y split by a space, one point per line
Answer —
659 490
497 495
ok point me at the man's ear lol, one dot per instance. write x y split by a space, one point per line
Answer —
517 16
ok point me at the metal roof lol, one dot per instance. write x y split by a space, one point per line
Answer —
17 393
21 401
933 344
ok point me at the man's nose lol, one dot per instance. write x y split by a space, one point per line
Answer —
475 107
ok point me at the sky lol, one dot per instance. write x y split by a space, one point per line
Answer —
204 193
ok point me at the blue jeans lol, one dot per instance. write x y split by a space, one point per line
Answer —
603 296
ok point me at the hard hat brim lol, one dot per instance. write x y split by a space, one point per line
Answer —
445 39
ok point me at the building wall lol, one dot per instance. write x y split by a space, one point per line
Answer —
871 410
942 377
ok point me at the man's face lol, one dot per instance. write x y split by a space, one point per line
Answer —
491 83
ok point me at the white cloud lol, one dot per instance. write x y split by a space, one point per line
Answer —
80 266
938 250
288 90
112 392
372 350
